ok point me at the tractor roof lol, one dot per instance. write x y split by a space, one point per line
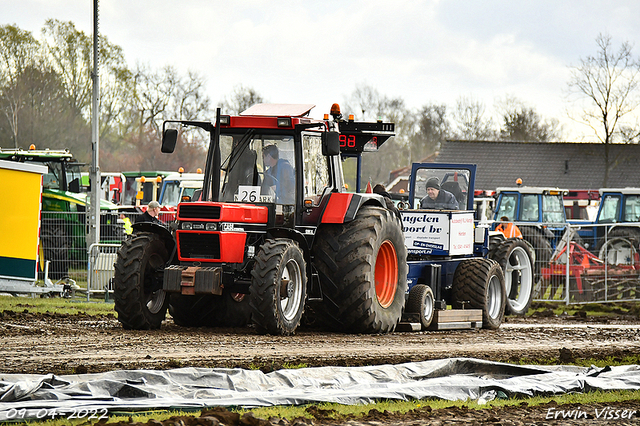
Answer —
533 190
279 110
627 190
36 155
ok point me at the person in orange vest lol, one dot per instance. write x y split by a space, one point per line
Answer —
510 230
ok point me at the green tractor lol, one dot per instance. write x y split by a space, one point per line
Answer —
63 225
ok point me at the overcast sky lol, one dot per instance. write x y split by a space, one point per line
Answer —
423 51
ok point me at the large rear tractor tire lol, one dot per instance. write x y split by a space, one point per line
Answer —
516 260
630 233
278 287
140 302
617 251
363 272
422 302
479 284
620 246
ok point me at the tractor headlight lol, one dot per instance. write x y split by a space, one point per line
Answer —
187 226
211 226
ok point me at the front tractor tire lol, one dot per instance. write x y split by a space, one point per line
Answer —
363 272
479 284
278 287
140 302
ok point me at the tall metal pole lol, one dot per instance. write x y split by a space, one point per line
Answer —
94 211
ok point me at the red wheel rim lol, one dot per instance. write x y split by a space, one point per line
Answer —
386 274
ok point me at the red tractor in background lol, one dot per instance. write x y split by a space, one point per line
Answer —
273 232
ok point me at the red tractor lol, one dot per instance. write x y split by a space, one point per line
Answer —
273 232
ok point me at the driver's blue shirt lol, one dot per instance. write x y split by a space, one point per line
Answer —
285 181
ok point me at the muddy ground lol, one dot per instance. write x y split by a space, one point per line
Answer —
63 344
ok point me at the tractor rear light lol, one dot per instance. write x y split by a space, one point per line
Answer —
211 226
225 120
187 226
284 122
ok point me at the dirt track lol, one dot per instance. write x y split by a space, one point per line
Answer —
65 344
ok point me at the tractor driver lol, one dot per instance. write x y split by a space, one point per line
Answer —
437 198
282 174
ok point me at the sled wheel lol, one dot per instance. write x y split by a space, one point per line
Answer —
479 283
363 272
278 287
515 259
139 300
421 301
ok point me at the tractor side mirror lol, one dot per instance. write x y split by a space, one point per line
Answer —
330 143
169 139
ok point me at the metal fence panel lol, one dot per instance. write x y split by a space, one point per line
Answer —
101 268
586 263
63 243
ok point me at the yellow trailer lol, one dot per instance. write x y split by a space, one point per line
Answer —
20 190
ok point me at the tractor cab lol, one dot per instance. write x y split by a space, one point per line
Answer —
531 204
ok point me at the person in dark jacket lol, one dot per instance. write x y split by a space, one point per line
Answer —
151 214
437 198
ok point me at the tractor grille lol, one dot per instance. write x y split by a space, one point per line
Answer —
198 211
199 246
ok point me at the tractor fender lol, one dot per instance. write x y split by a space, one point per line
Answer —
160 230
294 235
343 207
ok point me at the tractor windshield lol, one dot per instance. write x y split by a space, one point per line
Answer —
171 194
632 208
552 209
452 182
257 168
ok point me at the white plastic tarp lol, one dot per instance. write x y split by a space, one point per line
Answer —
38 396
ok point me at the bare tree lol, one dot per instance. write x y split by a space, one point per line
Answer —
166 95
524 124
609 80
367 104
469 121
240 99
432 129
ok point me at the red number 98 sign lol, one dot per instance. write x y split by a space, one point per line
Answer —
347 141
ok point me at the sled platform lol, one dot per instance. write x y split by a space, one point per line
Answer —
456 319
449 319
